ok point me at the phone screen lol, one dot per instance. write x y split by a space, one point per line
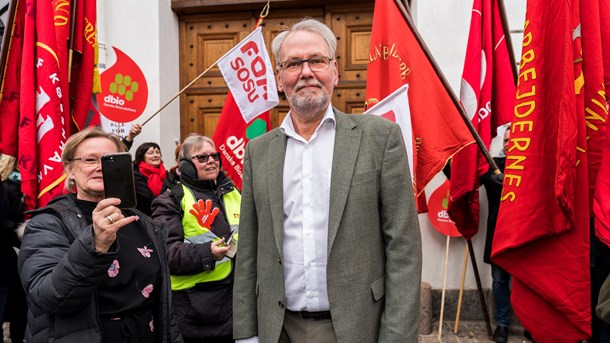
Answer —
117 172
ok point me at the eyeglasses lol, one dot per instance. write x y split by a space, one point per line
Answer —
88 159
203 158
315 64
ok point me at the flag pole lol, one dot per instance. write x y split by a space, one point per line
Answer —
263 14
479 287
73 5
445 83
459 306
180 92
509 43
440 323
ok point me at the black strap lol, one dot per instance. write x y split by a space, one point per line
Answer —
177 193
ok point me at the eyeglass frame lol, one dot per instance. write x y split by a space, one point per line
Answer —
301 62
215 156
88 160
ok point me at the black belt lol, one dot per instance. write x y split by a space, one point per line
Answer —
312 315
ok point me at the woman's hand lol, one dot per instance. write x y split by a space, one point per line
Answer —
107 220
219 249
133 132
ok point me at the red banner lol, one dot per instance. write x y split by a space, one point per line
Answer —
396 58
542 233
601 205
233 133
83 65
487 93
61 20
42 130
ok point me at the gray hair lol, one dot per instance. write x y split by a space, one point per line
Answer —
194 142
307 24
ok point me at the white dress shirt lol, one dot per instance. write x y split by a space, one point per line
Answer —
306 187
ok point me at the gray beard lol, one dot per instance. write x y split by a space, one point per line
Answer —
307 106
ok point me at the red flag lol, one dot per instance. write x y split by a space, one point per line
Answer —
487 93
42 132
83 65
231 135
61 19
542 233
396 58
9 105
248 72
601 205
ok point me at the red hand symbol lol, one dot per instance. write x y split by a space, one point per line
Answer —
204 213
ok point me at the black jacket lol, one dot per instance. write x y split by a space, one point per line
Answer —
493 187
11 214
60 272
144 196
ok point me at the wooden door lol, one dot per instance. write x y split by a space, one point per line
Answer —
206 37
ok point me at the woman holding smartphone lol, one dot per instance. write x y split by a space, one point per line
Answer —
202 212
94 272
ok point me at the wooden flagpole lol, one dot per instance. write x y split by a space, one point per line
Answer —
509 42
459 306
180 92
440 322
445 83
263 14
73 5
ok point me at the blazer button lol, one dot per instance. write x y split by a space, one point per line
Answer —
279 260
280 304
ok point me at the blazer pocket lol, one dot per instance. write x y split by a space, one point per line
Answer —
378 288
366 177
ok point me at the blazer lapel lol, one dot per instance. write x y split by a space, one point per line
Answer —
347 143
277 152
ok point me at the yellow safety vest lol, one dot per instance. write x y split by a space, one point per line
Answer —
195 234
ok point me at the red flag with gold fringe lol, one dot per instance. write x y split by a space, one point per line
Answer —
397 57
599 111
42 127
542 232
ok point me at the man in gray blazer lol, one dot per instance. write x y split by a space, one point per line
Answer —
329 242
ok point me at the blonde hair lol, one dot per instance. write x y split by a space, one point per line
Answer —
67 156
7 165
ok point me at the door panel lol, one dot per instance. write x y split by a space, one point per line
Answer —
206 37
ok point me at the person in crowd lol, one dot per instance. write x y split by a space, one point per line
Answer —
149 174
173 175
94 272
13 306
500 278
330 247
134 131
202 212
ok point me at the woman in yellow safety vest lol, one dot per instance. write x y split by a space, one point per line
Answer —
202 212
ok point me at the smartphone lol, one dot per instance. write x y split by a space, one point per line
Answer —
117 171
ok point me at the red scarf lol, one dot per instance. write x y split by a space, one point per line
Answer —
155 176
